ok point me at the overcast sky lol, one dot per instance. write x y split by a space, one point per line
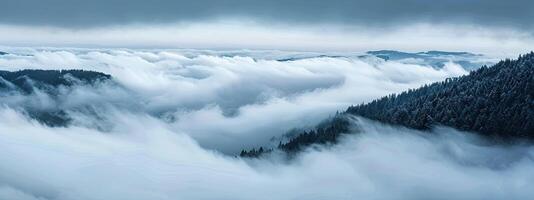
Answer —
241 23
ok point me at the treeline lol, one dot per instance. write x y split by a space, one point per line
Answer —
326 133
497 102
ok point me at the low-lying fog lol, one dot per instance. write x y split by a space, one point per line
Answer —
169 125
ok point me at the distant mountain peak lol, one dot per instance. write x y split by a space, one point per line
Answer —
453 53
436 59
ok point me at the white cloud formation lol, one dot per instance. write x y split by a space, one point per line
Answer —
129 162
163 130
242 34
227 102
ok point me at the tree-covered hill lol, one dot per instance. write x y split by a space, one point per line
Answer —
497 102
326 133
494 101
27 82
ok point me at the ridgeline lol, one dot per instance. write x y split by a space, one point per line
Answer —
496 102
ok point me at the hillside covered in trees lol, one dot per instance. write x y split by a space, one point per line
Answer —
324 134
28 82
496 102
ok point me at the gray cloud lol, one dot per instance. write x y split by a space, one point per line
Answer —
79 13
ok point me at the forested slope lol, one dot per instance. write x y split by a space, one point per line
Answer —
496 102
26 80
30 82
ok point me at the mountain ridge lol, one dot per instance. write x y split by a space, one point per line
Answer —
496 102
29 81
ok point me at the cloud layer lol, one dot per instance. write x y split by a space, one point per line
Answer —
227 102
130 163
226 35
170 125
489 26
77 13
